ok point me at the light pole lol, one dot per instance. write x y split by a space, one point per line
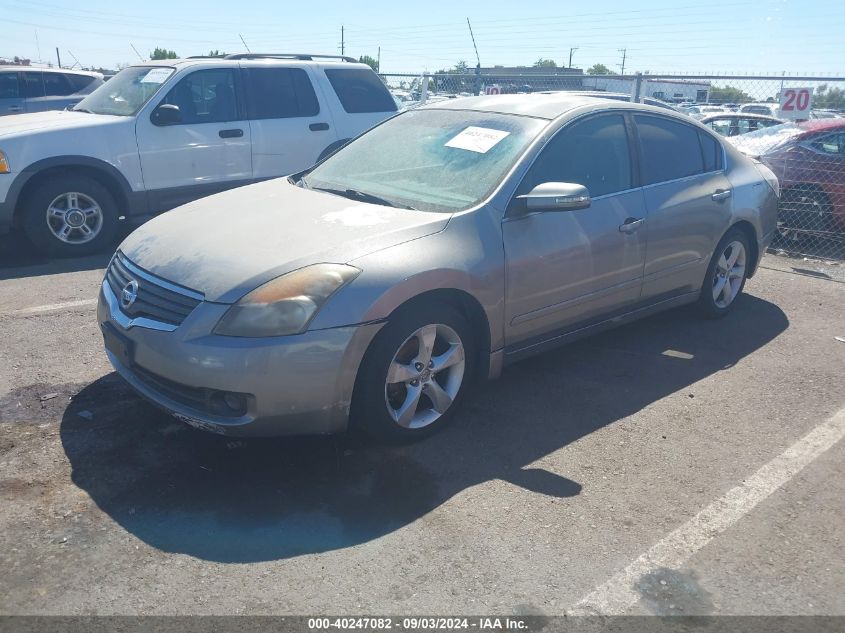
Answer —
571 50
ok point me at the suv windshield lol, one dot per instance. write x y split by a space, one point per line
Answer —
431 160
126 92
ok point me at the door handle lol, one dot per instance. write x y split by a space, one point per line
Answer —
318 127
235 133
630 225
15 108
721 194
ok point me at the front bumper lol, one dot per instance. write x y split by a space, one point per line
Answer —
292 384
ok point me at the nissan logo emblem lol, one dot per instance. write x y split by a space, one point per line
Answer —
129 294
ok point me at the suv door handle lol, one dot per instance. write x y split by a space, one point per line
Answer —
721 194
235 133
15 108
630 225
317 127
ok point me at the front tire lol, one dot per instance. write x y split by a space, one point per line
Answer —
70 216
726 274
414 374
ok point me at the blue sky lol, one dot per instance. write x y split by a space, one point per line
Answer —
767 36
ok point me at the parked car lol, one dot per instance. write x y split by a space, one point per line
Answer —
160 134
735 123
701 111
619 96
766 109
28 89
808 157
446 242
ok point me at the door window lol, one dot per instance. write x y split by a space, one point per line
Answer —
670 149
831 144
79 82
594 153
9 86
33 87
278 93
205 96
711 151
56 85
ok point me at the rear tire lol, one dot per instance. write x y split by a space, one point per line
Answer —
726 275
414 374
70 216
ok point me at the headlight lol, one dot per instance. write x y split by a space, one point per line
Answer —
4 164
287 304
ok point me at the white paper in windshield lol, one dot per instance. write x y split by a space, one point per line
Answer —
477 139
156 76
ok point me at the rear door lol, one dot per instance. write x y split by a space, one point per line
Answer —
565 268
208 151
290 125
688 199
11 97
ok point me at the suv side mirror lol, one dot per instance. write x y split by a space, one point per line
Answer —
556 196
166 114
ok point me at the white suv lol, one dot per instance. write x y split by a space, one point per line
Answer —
161 134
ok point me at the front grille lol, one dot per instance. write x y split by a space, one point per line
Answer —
157 299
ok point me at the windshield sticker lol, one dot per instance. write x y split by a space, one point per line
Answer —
156 76
477 139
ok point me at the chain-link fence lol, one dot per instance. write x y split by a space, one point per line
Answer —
795 125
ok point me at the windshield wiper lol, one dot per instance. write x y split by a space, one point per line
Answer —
363 197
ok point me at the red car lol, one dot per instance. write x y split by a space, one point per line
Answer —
808 159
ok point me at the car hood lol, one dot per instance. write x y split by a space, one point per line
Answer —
45 122
228 244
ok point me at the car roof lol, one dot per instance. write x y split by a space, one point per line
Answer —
16 68
540 105
739 115
812 126
268 60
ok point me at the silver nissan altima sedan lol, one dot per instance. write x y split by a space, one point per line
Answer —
436 248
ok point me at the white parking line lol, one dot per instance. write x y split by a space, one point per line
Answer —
50 307
617 595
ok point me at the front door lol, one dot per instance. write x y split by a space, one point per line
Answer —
208 151
565 268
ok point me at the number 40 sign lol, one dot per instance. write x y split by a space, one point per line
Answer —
795 103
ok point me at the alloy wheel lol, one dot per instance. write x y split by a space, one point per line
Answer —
74 218
729 274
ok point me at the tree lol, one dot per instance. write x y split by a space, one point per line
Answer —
545 63
599 69
163 53
369 61
825 97
214 53
729 94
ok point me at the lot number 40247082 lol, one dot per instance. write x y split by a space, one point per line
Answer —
795 103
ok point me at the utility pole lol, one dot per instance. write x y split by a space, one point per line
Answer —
58 57
571 50
624 52
342 42
378 60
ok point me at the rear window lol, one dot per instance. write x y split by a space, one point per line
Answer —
79 82
360 90
670 149
279 93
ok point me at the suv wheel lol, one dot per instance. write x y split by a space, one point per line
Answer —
70 216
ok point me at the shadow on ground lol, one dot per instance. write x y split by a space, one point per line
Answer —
18 258
228 500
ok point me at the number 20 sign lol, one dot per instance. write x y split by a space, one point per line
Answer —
795 103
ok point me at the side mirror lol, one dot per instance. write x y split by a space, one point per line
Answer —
556 196
166 114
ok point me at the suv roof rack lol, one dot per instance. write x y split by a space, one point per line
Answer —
299 56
